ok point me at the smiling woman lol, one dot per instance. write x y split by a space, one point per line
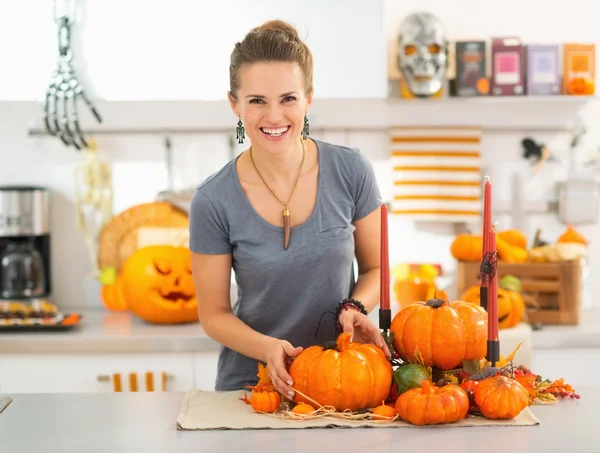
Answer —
289 216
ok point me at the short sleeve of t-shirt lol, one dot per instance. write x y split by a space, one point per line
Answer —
366 191
208 228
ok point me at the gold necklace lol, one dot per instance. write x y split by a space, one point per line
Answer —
286 212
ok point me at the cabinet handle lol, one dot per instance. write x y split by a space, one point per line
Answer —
107 378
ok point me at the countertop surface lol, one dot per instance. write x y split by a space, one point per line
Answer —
106 332
146 422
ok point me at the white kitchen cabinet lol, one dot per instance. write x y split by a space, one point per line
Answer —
205 370
75 373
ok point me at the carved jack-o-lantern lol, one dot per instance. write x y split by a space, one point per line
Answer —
158 286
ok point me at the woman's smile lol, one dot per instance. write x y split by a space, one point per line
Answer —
275 133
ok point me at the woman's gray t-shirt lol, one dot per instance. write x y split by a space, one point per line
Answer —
288 294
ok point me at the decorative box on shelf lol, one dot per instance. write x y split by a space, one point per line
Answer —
554 286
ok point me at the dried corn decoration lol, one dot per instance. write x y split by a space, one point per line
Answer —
93 198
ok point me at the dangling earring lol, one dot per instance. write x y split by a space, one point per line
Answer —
240 132
305 129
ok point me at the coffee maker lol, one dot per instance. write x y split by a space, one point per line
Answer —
24 243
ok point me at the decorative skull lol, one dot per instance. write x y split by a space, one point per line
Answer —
422 53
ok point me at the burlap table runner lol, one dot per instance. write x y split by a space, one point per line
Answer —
201 410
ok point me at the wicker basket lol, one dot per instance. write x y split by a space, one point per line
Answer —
437 373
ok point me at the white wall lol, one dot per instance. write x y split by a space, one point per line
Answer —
138 50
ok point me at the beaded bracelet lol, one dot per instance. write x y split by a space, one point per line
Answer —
346 304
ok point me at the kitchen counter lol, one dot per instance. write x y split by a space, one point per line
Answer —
111 332
145 422
105 332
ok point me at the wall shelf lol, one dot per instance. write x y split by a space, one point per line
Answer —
492 114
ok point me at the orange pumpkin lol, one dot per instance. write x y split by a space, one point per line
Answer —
384 412
500 397
510 253
511 307
346 375
441 332
157 285
581 86
432 405
467 247
571 235
112 296
303 409
264 398
514 237
265 401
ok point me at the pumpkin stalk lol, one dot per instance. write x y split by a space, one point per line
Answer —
343 342
427 387
439 299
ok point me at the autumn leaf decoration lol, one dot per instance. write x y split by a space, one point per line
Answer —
264 383
541 391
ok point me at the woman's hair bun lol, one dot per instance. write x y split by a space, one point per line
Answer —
279 26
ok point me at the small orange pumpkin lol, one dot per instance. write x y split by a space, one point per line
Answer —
303 409
157 285
432 405
265 401
443 333
364 382
467 247
112 296
581 86
514 237
384 412
571 235
500 397
264 398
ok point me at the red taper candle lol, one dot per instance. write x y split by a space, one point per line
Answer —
385 314
385 261
493 293
487 215
485 249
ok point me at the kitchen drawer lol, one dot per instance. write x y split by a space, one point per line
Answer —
76 373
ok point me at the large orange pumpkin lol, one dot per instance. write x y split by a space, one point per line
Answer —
157 285
441 332
346 375
432 405
511 307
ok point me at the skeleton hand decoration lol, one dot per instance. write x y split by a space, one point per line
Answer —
61 117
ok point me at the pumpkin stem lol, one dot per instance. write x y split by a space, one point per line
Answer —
427 387
330 345
439 299
343 341
439 294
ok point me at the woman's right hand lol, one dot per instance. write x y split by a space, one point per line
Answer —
277 354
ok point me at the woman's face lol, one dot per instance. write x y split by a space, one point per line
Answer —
271 101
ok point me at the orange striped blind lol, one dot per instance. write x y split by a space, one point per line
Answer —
436 173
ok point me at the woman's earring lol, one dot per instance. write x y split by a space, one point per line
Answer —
240 132
305 129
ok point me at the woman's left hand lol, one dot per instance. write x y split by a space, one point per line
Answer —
362 329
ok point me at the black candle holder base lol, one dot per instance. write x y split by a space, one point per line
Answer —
493 352
385 319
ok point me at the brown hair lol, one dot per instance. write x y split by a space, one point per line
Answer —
274 40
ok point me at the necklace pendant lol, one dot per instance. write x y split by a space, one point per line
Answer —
286 228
